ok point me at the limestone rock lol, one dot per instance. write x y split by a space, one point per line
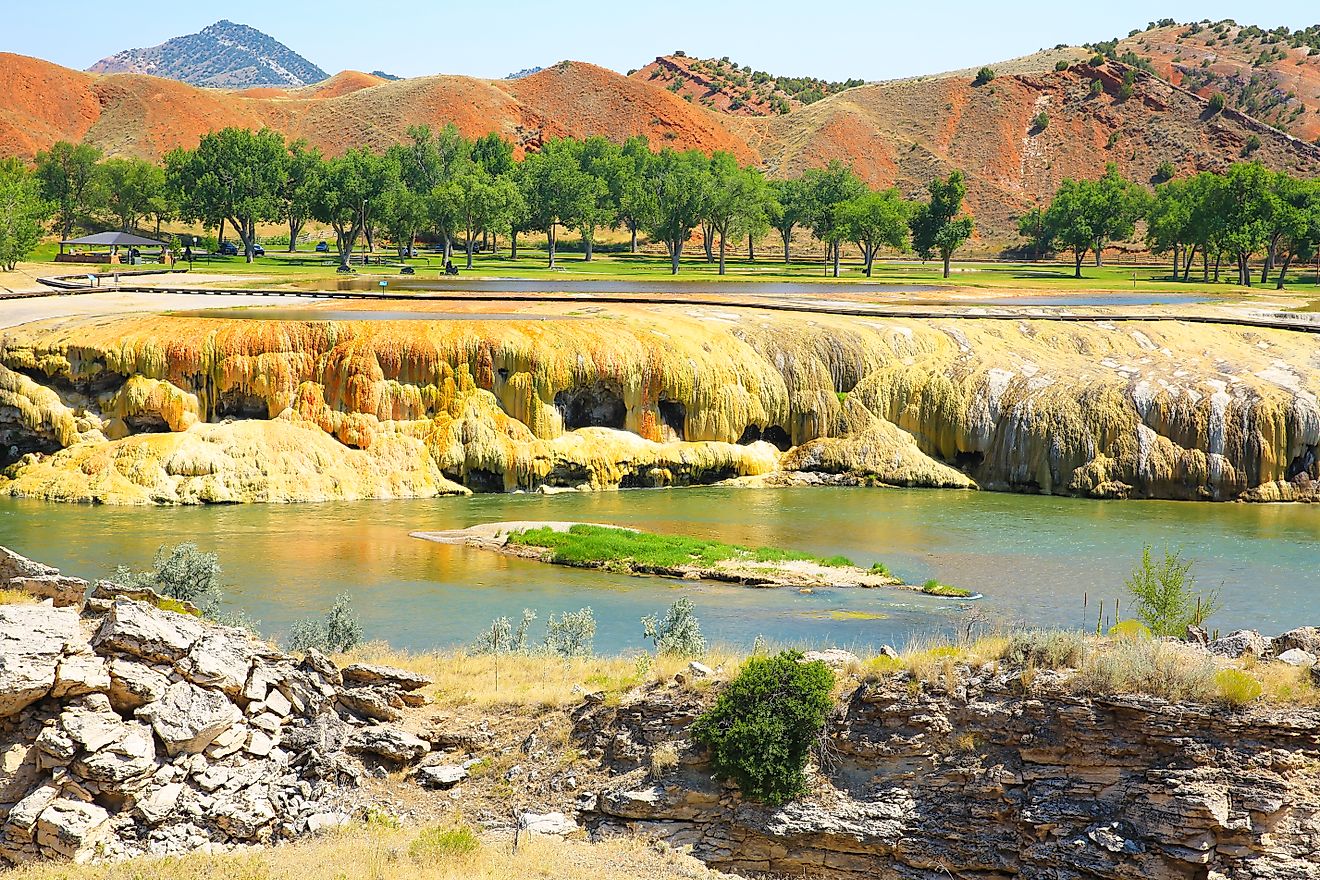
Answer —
142 631
316 662
33 641
71 828
1297 657
80 674
549 824
134 684
64 592
834 657
441 775
390 676
219 659
1243 641
158 805
187 718
1305 638
389 743
377 703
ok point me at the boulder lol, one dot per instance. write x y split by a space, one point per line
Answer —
16 566
187 718
1305 638
836 658
1297 657
33 641
550 824
441 775
700 670
317 663
134 684
63 592
1241 642
159 804
390 743
139 630
357 674
220 659
79 674
130 755
372 702
71 828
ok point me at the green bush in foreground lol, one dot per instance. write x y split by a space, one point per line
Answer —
442 844
763 726
1237 688
180 572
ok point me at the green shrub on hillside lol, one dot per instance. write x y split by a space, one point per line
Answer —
339 630
762 728
180 572
983 76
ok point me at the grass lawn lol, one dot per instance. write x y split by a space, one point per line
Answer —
306 266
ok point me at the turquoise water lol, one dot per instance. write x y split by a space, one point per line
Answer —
1034 559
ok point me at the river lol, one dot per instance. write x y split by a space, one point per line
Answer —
1033 557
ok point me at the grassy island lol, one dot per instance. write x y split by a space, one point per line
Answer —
634 552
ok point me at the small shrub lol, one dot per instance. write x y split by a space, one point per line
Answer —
1251 146
1113 140
571 634
1130 629
1096 88
502 638
881 569
443 844
1048 649
1217 102
678 634
1167 601
1235 687
1061 65
180 572
1041 121
1165 172
765 723
983 76
338 631
664 759
1147 666
1097 59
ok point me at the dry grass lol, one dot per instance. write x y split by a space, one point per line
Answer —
534 681
382 853
16 597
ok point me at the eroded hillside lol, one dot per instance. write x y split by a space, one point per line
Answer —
1272 75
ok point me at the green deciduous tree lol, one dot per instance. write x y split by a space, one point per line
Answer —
675 199
828 189
937 227
68 181
875 220
234 175
131 189
787 209
23 213
735 201
558 192
348 191
301 178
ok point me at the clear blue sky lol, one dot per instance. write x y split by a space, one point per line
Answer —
869 39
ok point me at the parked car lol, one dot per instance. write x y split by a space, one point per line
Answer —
230 249
322 247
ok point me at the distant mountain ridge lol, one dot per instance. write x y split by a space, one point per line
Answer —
225 55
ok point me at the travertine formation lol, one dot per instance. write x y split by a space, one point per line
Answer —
191 409
988 782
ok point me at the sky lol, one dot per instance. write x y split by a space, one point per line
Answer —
867 39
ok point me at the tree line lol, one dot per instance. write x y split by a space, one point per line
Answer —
1245 214
442 186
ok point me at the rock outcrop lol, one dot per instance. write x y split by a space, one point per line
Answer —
988 782
183 409
126 729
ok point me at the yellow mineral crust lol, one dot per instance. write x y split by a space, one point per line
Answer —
179 408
